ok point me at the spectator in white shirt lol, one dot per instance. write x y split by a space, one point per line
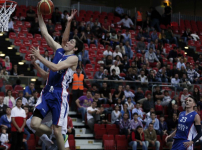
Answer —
107 52
127 23
130 104
113 39
184 96
180 64
138 111
193 75
10 25
116 52
92 113
4 138
166 99
142 78
90 22
121 48
119 11
130 94
150 57
24 100
175 82
116 67
127 37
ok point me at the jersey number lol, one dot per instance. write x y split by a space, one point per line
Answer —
183 119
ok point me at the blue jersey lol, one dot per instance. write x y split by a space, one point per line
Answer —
186 129
61 78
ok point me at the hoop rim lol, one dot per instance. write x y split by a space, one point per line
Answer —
7 1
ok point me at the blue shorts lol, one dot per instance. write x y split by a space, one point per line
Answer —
54 100
179 145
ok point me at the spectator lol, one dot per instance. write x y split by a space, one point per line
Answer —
180 64
170 37
28 90
97 30
9 100
133 76
125 110
114 39
90 22
147 24
18 118
155 19
154 36
114 77
33 99
35 27
115 115
152 76
107 52
135 122
105 39
119 11
163 128
24 100
144 68
154 121
162 75
139 95
2 107
92 113
127 23
182 71
83 103
10 25
56 38
199 104
77 91
147 36
128 93
158 107
174 110
186 35
94 90
105 93
173 102
108 62
126 64
117 53
127 37
15 71
151 45
130 105
148 115
102 116
172 56
138 139
50 27
47 57
5 120
121 48
90 37
31 14
70 127
143 79
4 138
148 104
7 64
85 57
162 37
175 81
128 50
172 124
184 97
97 99
196 93
125 125
166 99
141 47
137 110
83 37
157 94
150 136
106 26
118 94
115 67
120 104
193 75
56 16
150 57
99 74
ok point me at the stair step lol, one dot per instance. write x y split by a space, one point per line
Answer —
74 120
88 142
72 113
78 124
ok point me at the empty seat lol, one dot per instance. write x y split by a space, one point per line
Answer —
107 137
23 49
121 144
98 126
99 133
114 131
18 88
109 145
120 137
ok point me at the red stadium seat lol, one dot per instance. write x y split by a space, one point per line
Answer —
18 88
23 50
15 94
29 36
17 42
99 133
109 145
121 144
98 126
31 142
111 126
2 94
8 87
27 24
106 105
107 137
120 137
12 35
37 36
26 42
114 131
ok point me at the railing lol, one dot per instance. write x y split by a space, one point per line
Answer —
178 16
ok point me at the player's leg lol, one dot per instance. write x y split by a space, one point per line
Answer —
59 138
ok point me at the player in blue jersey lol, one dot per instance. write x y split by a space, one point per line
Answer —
54 95
188 129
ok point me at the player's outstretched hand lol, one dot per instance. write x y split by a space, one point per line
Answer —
187 144
35 52
73 13
33 59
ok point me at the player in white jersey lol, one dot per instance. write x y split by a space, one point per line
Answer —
54 95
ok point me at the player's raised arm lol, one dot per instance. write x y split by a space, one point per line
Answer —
54 45
65 37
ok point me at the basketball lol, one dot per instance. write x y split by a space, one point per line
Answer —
45 7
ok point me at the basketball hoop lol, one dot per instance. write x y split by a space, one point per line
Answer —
6 9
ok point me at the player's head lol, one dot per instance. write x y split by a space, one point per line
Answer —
190 102
75 45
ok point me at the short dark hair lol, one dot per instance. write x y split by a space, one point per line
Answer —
151 124
135 114
19 99
113 70
31 83
34 92
88 91
193 98
20 92
161 115
153 113
79 45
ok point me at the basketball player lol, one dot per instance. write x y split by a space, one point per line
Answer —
189 128
54 95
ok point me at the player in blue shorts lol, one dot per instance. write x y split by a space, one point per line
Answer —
188 129
54 95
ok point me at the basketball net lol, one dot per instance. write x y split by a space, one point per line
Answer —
5 13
